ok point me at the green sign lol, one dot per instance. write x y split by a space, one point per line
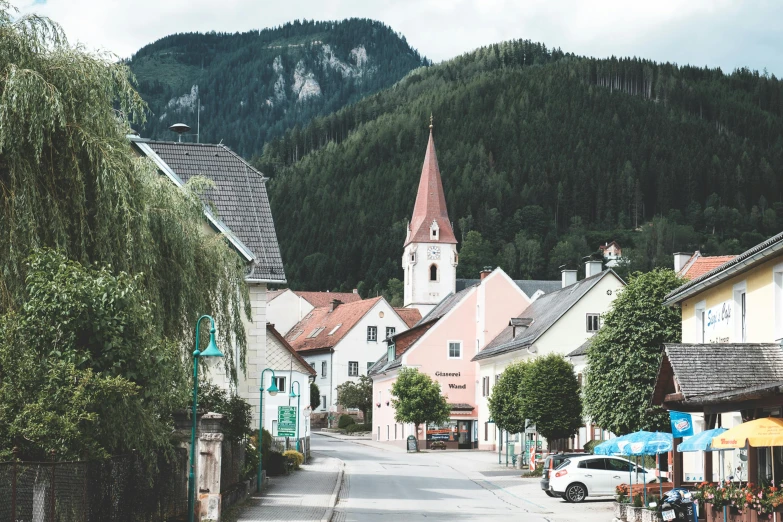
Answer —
286 421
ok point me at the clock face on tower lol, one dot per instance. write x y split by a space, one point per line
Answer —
433 252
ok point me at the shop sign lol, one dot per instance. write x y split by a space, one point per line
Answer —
717 327
286 421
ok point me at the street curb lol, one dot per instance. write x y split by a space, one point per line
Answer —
333 499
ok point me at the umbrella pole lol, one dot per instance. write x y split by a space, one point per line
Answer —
721 474
772 463
660 478
645 478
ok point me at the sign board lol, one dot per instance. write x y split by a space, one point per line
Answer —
718 323
413 444
286 421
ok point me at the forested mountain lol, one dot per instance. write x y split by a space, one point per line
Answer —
544 156
254 86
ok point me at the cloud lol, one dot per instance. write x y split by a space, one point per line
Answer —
718 33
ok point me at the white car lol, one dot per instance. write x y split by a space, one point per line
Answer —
594 475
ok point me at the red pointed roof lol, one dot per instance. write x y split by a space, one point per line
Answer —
430 204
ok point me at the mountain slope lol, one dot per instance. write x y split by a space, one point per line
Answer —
545 155
254 86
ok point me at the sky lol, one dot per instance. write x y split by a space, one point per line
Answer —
715 33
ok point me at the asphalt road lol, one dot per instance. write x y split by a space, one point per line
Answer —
382 485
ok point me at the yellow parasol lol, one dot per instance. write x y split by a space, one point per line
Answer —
765 432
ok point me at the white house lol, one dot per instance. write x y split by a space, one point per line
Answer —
291 372
242 214
287 307
559 322
341 341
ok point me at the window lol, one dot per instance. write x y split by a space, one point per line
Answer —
455 350
323 401
592 322
323 368
312 364
387 432
484 387
315 332
434 232
280 383
335 329
369 365
413 257
372 334
353 368
700 314
743 318
390 330
619 465
395 431
740 313
594 464
433 272
486 431
497 378
579 379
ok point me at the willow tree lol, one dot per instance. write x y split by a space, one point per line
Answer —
70 181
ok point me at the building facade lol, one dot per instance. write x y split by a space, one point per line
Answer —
287 307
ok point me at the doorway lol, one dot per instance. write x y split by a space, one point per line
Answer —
465 429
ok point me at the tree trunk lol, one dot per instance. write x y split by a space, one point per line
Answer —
416 428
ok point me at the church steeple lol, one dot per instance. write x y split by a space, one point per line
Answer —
430 222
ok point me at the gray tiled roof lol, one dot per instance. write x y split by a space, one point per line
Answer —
582 350
239 197
707 369
528 286
544 311
446 305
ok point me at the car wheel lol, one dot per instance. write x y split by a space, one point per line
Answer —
575 493
550 494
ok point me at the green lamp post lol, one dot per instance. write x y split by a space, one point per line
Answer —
272 392
211 351
298 411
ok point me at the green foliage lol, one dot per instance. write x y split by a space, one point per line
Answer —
81 370
358 428
295 458
235 410
275 464
660 158
550 397
345 421
246 81
624 355
315 396
590 445
72 182
357 395
505 406
637 501
250 467
474 255
417 399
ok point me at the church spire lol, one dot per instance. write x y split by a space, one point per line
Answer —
429 212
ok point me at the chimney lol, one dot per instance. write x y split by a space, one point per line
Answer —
355 290
593 267
568 276
335 304
680 258
519 324
485 272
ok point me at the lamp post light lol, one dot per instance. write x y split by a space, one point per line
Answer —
298 412
272 392
211 351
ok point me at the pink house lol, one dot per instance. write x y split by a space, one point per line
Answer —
442 345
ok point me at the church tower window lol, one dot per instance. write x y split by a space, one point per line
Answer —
433 272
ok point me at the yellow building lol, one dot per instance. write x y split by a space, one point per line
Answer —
729 367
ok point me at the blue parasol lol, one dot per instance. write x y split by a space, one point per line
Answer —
647 443
701 441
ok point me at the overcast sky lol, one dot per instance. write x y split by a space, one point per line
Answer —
724 33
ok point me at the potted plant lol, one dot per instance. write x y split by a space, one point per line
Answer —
621 502
650 511
634 510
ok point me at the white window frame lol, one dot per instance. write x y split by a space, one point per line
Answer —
372 334
448 349
739 290
390 330
587 322
777 284
323 401
369 365
700 316
280 383
353 365
323 369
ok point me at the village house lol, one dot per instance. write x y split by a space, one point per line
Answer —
728 367
287 307
341 341
612 253
690 266
242 214
561 322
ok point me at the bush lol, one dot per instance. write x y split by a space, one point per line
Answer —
592 444
250 468
358 428
276 464
345 421
538 472
294 457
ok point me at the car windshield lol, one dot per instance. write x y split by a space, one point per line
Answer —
563 464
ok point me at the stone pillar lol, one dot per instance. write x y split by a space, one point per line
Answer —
210 452
255 331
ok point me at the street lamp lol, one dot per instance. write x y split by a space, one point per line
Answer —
211 351
298 412
272 392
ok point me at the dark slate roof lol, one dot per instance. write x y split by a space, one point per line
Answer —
239 197
713 369
742 262
544 311
582 350
447 304
528 286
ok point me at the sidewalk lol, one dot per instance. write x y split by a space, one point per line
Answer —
306 495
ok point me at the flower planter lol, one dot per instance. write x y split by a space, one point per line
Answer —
619 511
634 514
650 515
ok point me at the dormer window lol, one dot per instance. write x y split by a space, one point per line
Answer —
434 230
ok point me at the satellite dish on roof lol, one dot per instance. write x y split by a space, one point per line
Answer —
180 128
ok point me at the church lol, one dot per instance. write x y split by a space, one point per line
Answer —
455 325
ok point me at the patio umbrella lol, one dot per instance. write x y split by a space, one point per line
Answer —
648 443
609 447
703 442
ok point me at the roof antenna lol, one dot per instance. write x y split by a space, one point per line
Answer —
179 128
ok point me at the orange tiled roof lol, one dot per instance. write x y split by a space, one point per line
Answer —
410 316
699 265
319 299
323 322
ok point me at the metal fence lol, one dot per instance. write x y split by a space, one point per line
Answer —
231 464
119 489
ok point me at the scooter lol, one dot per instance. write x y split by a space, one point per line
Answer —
678 504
